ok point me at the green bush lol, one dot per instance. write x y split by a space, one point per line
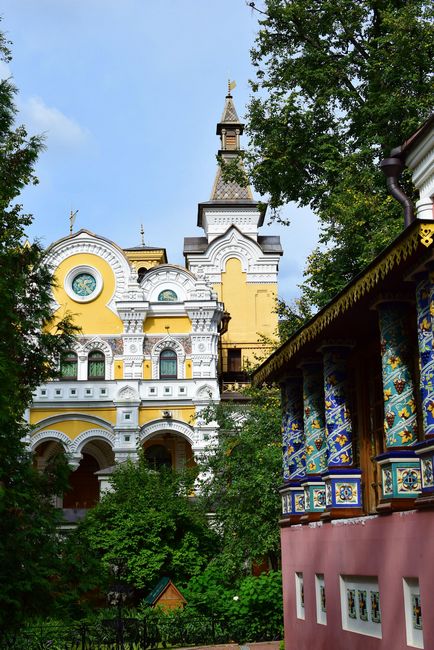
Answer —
256 612
252 609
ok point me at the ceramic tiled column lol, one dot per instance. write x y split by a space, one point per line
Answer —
294 452
342 479
315 436
425 449
399 466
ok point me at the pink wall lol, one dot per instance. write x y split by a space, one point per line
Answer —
390 547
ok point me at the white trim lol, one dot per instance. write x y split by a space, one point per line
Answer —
85 242
321 615
53 435
127 394
356 622
168 342
164 277
97 343
90 435
150 429
206 393
259 267
414 636
299 595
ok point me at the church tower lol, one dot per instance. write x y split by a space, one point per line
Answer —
241 265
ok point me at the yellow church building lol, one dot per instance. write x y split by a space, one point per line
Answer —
157 341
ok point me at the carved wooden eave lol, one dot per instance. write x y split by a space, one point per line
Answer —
409 249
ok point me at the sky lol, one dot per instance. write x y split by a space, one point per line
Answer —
128 94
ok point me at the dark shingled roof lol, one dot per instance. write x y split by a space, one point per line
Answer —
270 244
195 245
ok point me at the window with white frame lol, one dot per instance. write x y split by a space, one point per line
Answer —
321 605
299 595
360 605
168 364
413 612
96 365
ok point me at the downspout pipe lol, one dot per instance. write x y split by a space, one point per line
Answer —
392 168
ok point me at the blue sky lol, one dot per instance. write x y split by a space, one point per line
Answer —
128 94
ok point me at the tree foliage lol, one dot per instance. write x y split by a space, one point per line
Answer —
30 344
252 605
151 522
243 472
338 85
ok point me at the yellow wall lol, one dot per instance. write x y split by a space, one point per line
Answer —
185 414
251 306
108 414
93 317
119 369
188 369
177 325
147 369
72 428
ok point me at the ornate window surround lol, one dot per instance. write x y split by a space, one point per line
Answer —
78 270
168 342
167 277
86 242
83 350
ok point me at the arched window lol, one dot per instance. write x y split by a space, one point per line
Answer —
168 364
69 365
158 456
96 365
141 272
167 296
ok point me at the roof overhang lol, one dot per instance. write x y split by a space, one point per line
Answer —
413 248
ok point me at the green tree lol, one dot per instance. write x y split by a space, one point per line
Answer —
30 344
243 472
152 523
252 605
338 84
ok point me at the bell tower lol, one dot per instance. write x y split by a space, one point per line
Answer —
240 264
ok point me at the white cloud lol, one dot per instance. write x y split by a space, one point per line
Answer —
5 71
58 127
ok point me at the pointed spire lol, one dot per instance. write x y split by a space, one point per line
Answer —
230 195
229 115
229 129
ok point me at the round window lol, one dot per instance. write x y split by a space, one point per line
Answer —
83 284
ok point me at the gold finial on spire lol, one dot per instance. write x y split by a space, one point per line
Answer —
142 233
72 216
231 86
